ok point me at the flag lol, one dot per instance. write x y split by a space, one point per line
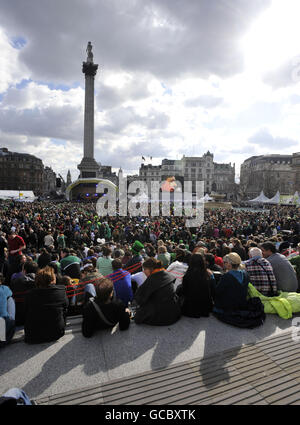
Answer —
143 158
150 158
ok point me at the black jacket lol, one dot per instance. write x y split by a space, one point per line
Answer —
157 301
20 287
230 294
196 294
45 312
114 312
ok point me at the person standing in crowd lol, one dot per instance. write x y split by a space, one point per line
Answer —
285 275
261 273
16 245
3 246
61 241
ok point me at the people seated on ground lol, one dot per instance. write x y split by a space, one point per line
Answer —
70 263
136 280
104 263
122 282
285 275
20 287
134 265
211 263
7 313
104 311
157 303
126 258
261 273
239 249
295 261
85 287
55 260
44 259
18 268
48 239
230 296
195 291
231 291
164 256
45 309
218 260
70 287
179 266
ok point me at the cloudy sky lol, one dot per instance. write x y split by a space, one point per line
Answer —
175 77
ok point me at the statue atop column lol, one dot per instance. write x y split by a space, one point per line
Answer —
89 68
89 53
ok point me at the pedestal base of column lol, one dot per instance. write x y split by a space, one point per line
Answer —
88 168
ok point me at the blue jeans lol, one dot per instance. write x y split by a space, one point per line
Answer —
90 288
19 395
10 320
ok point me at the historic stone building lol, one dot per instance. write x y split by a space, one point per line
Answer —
21 171
49 179
270 173
218 178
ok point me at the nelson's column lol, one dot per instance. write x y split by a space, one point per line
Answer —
88 167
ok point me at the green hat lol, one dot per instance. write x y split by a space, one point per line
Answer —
137 246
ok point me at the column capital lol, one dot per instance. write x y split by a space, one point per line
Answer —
89 69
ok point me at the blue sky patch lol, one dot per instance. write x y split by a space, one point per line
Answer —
18 42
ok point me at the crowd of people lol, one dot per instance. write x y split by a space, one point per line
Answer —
60 259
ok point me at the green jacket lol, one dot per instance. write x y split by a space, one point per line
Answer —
285 304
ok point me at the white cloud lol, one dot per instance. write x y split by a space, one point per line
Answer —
172 79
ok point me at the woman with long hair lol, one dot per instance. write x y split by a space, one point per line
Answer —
195 290
45 309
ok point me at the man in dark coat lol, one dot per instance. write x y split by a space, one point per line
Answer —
20 287
156 299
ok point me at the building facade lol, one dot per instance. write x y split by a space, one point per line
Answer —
270 173
49 179
21 171
218 178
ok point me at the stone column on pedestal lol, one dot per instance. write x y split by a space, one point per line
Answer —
88 166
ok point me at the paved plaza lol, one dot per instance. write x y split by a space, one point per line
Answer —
75 363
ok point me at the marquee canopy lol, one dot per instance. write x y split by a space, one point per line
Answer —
16 195
261 199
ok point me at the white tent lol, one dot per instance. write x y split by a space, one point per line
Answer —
207 198
261 199
275 200
16 195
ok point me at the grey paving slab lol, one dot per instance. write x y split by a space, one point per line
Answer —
75 362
